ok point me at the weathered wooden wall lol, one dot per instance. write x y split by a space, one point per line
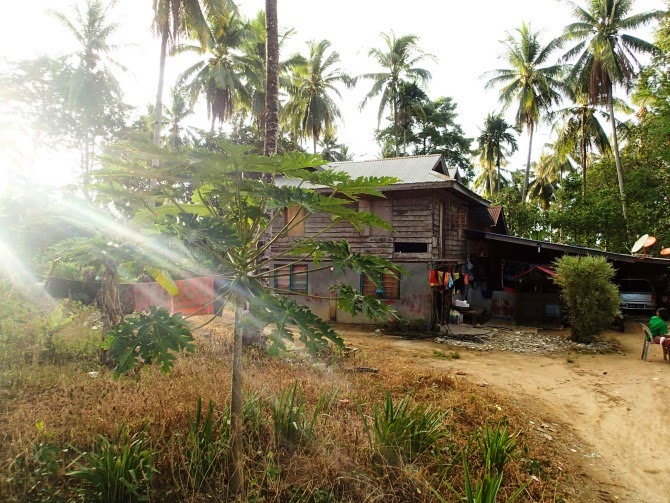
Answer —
415 216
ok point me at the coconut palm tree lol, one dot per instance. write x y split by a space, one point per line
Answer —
604 56
94 96
488 181
399 59
411 101
310 106
175 18
547 174
333 151
219 75
179 109
580 130
272 78
496 141
256 73
528 83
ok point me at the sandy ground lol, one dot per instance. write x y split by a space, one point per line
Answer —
613 404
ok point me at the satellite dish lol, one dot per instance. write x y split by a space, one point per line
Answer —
639 244
665 252
651 241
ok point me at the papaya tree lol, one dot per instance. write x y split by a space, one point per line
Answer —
228 206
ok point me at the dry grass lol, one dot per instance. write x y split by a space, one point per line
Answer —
61 405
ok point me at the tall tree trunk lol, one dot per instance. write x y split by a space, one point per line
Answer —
583 152
395 126
498 165
236 413
272 84
158 112
617 159
531 129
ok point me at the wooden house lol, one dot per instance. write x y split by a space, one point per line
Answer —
429 210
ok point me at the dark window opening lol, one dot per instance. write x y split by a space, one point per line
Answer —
410 247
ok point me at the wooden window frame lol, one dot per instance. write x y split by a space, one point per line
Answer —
385 279
291 279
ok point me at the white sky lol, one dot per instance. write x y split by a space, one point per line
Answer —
464 36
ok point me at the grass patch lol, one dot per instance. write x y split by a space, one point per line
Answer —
452 355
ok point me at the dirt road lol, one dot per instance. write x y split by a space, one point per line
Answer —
613 403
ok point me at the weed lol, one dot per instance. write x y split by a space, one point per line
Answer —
402 430
119 471
454 355
496 445
203 452
291 421
569 358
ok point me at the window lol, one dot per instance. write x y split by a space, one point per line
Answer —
297 228
390 287
293 279
410 247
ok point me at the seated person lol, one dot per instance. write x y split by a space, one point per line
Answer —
658 326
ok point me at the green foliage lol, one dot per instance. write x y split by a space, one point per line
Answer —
151 337
33 334
403 430
119 471
587 290
292 423
205 443
497 446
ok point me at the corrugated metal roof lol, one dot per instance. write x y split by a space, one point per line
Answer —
411 169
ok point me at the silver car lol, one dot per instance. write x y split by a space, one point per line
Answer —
637 295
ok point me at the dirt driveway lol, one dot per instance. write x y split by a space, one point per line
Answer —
614 403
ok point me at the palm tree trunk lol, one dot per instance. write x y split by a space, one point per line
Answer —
617 159
395 126
583 152
272 84
236 425
531 129
498 165
158 112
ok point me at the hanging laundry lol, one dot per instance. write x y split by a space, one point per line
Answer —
432 278
440 278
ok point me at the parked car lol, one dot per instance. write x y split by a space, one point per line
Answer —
637 295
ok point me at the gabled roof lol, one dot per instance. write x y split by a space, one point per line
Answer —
412 172
410 169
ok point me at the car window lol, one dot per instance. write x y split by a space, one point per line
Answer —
635 285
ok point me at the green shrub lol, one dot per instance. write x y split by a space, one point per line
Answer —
118 471
402 430
591 297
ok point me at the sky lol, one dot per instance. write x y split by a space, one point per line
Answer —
463 35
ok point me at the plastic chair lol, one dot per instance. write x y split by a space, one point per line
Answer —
648 341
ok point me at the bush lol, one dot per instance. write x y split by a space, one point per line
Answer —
591 297
291 421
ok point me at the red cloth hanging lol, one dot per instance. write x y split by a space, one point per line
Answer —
432 278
